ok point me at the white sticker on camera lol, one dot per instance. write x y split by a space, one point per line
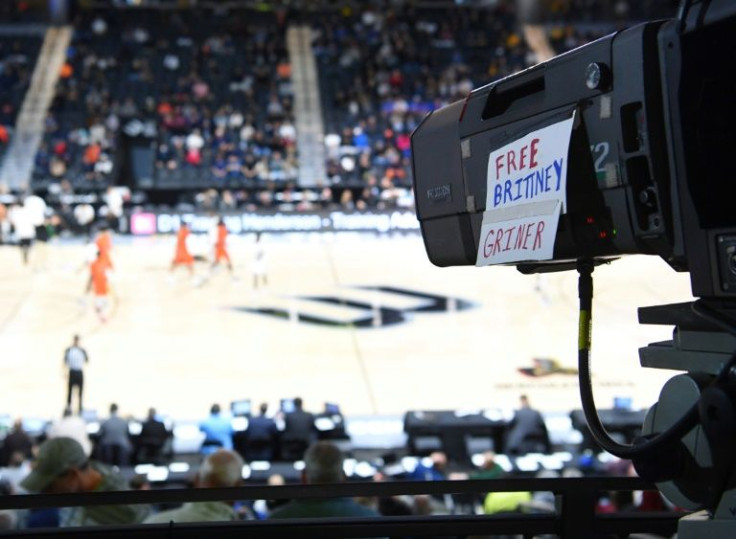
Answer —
527 192
527 233
530 169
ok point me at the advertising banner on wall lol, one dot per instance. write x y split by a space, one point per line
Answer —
143 223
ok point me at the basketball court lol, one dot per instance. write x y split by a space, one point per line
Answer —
360 320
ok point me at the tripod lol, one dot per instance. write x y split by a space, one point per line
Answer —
698 472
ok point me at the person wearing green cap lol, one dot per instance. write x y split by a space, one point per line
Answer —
61 466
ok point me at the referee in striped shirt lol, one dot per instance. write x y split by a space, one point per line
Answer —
74 358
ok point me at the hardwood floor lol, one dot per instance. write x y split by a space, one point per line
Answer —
181 345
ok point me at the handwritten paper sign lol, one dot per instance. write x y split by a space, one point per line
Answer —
528 233
527 186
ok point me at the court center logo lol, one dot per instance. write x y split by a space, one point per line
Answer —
360 307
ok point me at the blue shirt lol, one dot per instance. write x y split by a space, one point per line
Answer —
426 473
217 428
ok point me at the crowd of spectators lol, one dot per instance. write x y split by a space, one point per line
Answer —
65 460
17 58
212 90
382 68
82 126
381 71
208 91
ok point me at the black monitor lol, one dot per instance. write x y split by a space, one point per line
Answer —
89 415
240 408
622 403
332 408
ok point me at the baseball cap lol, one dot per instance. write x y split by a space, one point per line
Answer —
55 456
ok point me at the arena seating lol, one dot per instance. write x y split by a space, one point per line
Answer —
381 71
18 56
205 96
209 89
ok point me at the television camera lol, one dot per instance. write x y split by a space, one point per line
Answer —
622 146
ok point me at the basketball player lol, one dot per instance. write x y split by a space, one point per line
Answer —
183 257
99 285
37 210
221 246
531 15
103 242
259 264
25 230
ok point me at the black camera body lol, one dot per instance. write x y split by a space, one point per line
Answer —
648 164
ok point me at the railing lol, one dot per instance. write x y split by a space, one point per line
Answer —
575 515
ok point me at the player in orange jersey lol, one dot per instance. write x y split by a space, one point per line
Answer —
99 285
183 257
103 242
221 245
